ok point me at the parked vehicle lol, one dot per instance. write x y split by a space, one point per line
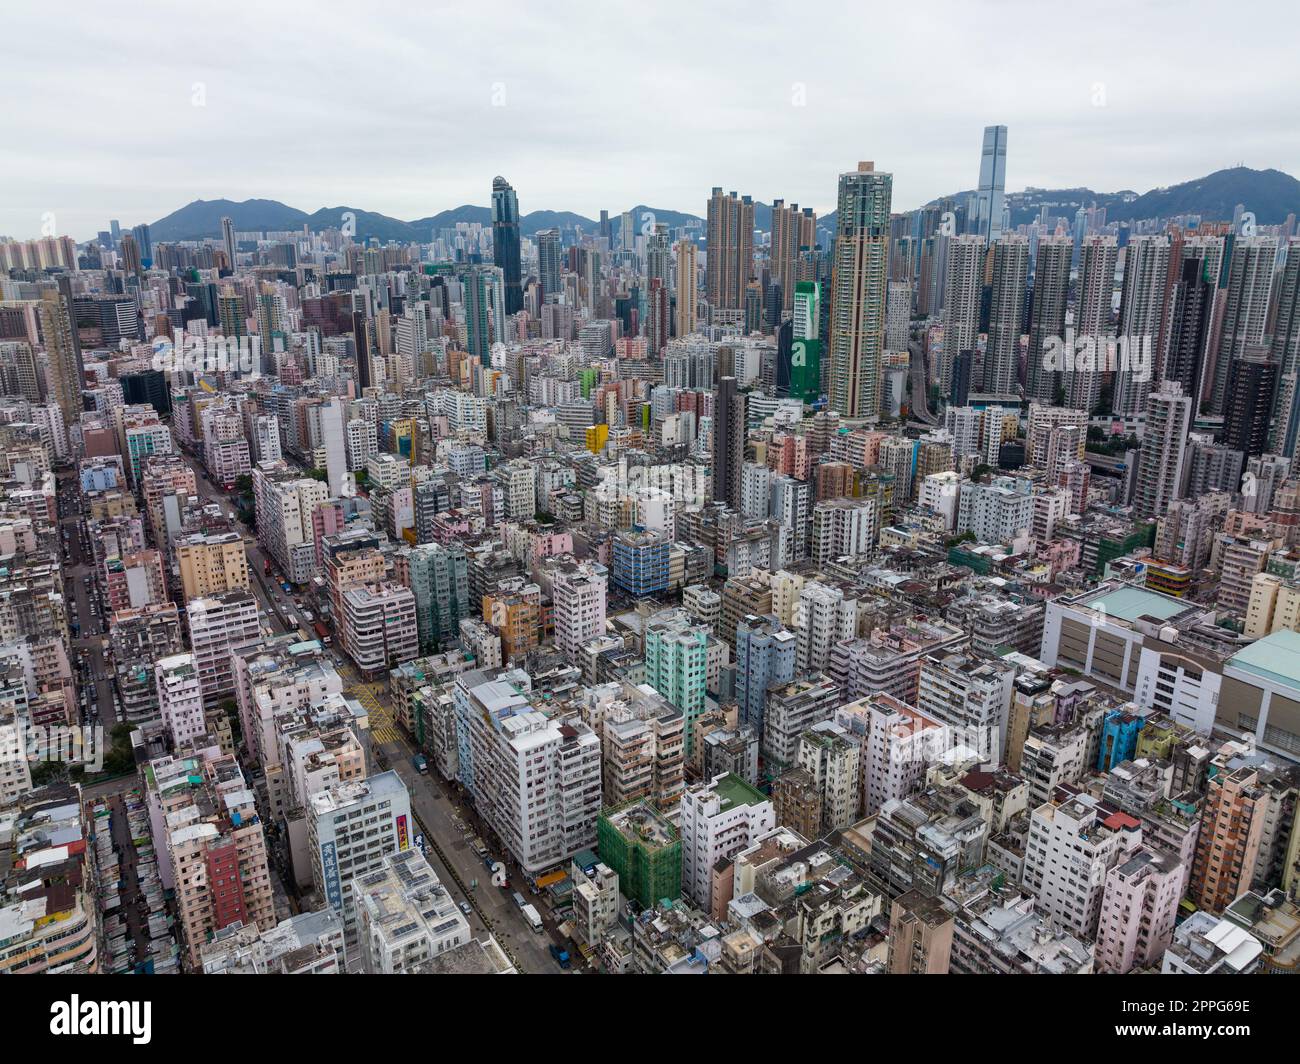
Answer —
561 956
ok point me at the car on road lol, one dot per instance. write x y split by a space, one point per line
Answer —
466 908
561 956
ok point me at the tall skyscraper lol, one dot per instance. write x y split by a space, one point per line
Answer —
987 222
505 241
1210 251
496 304
1079 231
231 313
686 293
1190 309
963 290
658 260
270 317
729 253
861 275
1252 383
228 239
1286 353
1047 314
1006 313
63 348
144 242
805 342
1141 311
478 314
548 264
333 438
1169 415
728 442
131 260
361 339
1245 313
658 316
793 231
1096 290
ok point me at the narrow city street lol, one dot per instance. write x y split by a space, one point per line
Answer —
130 889
85 610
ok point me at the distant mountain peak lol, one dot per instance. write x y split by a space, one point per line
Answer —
1270 194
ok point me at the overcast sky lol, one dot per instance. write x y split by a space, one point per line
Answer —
130 110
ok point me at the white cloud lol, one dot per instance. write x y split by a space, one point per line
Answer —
612 104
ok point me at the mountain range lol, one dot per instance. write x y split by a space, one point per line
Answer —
1270 194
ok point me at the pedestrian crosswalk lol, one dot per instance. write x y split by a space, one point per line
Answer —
382 726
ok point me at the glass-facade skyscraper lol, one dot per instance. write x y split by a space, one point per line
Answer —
505 241
993 183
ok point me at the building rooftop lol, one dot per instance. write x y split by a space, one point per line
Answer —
1130 603
640 820
1274 657
341 795
475 957
735 791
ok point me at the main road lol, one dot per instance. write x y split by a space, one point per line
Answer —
447 829
919 372
439 811
270 598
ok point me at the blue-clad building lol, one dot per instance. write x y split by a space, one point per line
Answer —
1119 736
640 562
